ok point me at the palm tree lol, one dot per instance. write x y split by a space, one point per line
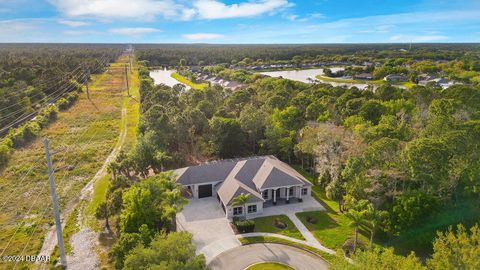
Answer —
374 217
241 200
357 219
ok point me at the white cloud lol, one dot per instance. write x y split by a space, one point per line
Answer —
213 9
407 38
131 31
109 9
82 32
73 23
172 9
202 36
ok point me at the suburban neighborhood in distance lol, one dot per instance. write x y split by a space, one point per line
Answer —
240 135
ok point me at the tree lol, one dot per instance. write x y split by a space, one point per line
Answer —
357 219
172 203
253 121
297 59
153 202
372 110
378 259
241 200
103 212
173 251
182 62
456 250
408 210
227 137
427 160
335 191
375 218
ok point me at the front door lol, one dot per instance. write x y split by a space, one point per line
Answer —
278 193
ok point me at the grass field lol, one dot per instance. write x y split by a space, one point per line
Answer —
80 139
182 79
269 266
265 224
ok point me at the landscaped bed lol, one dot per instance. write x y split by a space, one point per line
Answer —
277 224
269 266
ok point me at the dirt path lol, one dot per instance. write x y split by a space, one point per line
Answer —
83 242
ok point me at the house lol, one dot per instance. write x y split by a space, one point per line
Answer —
395 78
265 179
442 82
363 76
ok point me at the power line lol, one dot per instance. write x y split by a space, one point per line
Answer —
29 170
26 116
77 76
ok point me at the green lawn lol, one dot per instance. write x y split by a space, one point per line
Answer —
269 266
182 79
332 228
265 224
270 239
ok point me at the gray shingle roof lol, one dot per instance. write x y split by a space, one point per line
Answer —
245 175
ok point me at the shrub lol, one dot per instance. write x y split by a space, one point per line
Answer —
67 102
279 224
5 150
244 226
311 220
62 104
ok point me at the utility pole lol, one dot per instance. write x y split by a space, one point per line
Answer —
126 79
86 83
56 214
131 64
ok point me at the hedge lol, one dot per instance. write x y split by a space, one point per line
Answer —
244 226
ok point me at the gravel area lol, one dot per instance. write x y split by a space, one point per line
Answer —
83 255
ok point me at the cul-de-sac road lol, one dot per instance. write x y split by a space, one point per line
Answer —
241 257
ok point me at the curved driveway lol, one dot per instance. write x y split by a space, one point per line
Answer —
241 257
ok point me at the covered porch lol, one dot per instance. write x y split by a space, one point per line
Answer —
284 195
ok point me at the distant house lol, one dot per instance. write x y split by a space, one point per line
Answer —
265 179
363 76
395 78
442 82
195 69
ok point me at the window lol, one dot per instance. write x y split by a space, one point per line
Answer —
265 194
237 211
304 191
290 191
252 208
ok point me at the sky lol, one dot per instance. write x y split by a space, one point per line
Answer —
240 21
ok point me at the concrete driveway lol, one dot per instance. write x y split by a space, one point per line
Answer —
241 257
211 230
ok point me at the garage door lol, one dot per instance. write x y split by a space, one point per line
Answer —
204 191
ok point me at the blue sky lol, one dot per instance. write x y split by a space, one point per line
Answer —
239 21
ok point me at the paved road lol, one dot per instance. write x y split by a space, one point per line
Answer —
241 257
